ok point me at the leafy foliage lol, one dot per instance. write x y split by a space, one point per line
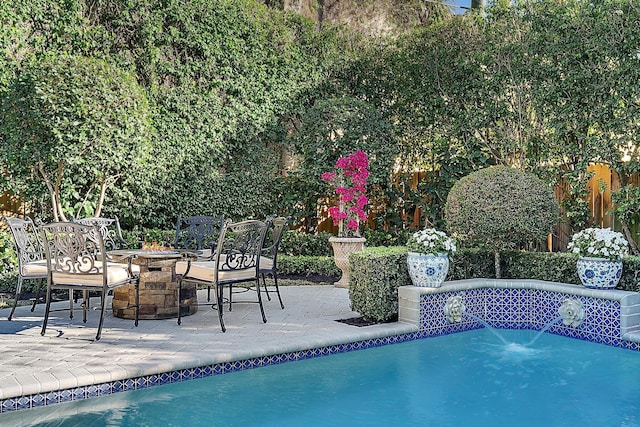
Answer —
72 127
500 208
376 274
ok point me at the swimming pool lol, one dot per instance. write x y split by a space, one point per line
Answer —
468 378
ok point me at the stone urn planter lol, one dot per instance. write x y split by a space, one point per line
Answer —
342 247
599 273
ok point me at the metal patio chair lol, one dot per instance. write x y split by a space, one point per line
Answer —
269 258
32 264
199 233
77 259
235 262
110 230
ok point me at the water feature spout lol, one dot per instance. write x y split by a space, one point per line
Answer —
454 308
572 312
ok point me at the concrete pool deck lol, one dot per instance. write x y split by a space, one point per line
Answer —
68 357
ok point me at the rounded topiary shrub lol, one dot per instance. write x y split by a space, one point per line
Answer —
501 208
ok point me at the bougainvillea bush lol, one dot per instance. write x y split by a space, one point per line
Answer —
350 182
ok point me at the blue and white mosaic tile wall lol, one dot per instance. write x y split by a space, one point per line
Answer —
611 317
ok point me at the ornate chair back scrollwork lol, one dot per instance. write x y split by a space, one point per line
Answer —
76 260
269 259
110 230
32 264
199 233
235 262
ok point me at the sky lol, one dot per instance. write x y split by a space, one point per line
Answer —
465 3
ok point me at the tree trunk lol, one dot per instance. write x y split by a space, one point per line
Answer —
629 236
496 260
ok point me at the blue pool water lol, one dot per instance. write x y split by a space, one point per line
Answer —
464 379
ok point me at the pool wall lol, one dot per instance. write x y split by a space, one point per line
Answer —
612 317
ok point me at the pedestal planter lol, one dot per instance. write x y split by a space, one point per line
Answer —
599 273
342 247
427 270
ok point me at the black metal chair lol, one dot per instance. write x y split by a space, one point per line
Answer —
110 230
235 262
199 233
77 259
32 264
269 259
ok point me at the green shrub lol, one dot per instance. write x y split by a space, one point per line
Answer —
386 238
500 208
302 244
8 262
376 273
469 263
308 266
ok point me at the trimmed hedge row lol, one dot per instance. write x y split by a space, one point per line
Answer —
376 274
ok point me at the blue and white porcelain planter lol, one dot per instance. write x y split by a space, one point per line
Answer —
599 273
427 271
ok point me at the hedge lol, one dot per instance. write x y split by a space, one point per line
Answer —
376 274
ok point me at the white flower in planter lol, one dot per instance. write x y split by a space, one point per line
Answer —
431 241
599 243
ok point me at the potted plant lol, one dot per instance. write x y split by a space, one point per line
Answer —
600 252
349 181
428 257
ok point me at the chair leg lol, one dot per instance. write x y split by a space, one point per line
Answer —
71 299
85 305
266 289
38 290
208 293
264 318
102 308
180 301
275 280
17 297
230 296
137 287
220 307
46 310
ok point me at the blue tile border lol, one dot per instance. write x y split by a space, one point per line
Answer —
96 390
503 307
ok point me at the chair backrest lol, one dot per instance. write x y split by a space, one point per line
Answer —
110 230
26 238
240 246
72 248
198 232
274 237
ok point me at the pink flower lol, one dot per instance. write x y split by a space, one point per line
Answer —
361 200
328 176
350 181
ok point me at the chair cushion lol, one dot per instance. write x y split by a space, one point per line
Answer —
205 270
266 263
116 273
35 268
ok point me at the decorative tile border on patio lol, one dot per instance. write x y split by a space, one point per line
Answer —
612 317
90 391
